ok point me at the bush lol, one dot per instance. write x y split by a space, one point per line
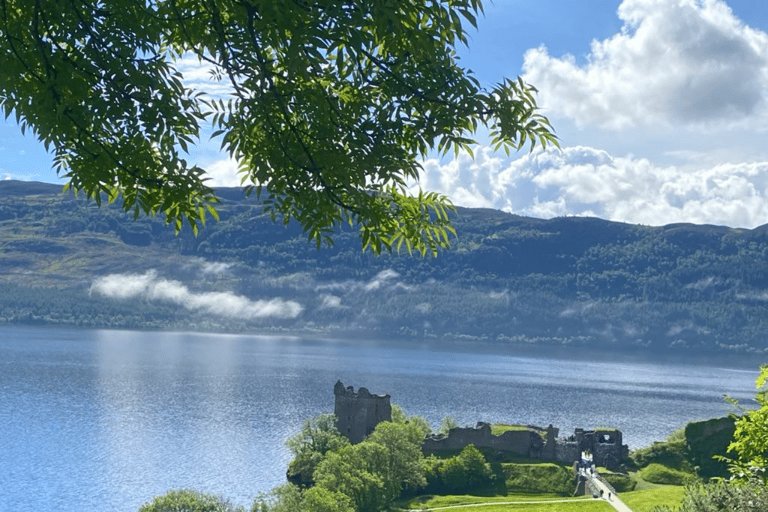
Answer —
291 498
466 471
454 475
658 474
185 500
723 496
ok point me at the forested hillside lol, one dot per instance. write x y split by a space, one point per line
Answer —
565 281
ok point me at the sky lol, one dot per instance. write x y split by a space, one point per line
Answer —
661 107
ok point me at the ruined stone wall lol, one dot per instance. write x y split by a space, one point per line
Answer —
522 442
358 413
550 446
604 444
567 451
608 449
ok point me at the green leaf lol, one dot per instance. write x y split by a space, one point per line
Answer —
332 107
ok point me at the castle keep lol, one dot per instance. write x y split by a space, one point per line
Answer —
359 412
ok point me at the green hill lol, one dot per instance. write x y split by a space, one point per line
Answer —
509 279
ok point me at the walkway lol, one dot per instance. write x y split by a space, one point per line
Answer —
608 494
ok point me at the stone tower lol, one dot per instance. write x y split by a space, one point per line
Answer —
357 414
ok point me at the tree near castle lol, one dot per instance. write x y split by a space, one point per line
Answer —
750 437
331 104
317 437
747 490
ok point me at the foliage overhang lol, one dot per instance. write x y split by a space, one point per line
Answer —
333 105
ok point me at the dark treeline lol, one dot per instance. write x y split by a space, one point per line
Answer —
509 279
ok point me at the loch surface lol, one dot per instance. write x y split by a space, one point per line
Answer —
104 420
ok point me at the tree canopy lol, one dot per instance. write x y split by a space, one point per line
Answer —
331 105
750 439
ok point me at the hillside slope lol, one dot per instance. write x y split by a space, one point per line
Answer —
565 281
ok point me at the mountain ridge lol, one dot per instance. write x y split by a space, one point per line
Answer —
510 279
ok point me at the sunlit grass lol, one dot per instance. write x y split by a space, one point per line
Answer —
639 501
499 428
515 501
647 499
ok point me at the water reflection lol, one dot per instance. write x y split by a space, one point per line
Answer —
104 420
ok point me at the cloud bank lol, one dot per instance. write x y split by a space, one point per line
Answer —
587 181
683 84
688 62
225 304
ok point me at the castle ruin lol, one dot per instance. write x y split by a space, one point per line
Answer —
527 441
536 443
357 414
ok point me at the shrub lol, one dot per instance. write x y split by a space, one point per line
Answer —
464 472
291 498
478 470
185 500
454 474
468 470
723 496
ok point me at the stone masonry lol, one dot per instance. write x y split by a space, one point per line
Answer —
358 413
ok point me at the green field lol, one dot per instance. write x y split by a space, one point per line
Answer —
639 501
647 499
527 502
585 506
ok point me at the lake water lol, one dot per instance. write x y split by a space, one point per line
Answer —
105 420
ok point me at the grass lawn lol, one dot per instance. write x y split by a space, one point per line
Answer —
646 499
639 501
471 503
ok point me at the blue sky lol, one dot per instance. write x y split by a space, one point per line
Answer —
661 107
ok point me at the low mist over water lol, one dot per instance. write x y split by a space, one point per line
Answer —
105 420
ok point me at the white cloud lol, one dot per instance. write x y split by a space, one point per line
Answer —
383 277
223 173
124 286
689 62
19 177
225 304
424 308
330 302
587 181
215 268
197 75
